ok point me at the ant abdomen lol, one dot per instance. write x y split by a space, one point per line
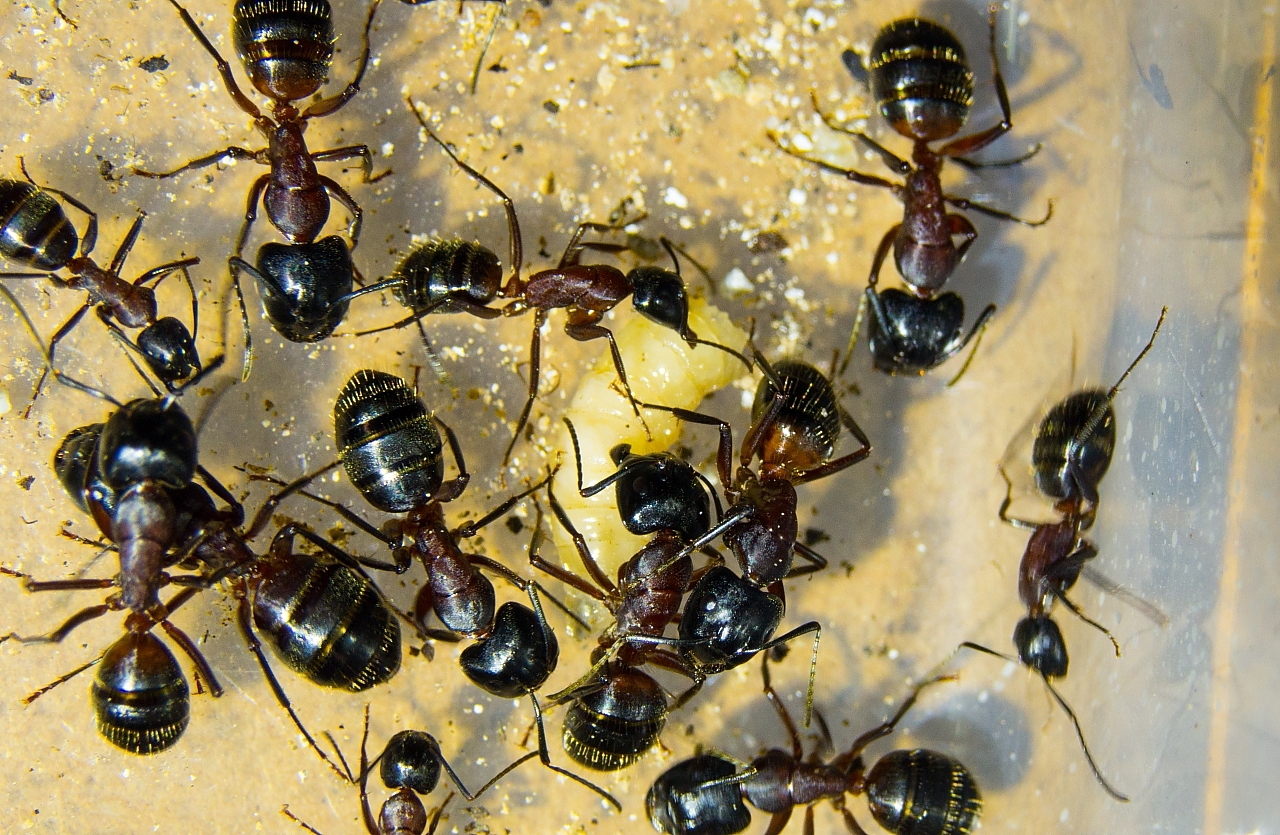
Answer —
610 728
75 462
35 230
285 46
808 422
387 441
921 79
1067 467
922 792
140 697
452 269
328 623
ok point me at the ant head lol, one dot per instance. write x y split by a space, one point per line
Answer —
411 760
681 802
612 726
911 335
517 657
660 296
285 47
1040 646
1074 445
921 79
303 285
169 350
727 620
388 443
147 440
140 697
660 492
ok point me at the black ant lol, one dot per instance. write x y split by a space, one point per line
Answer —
1073 449
135 476
589 291
796 421
410 766
922 82
286 49
908 792
392 452
36 232
617 711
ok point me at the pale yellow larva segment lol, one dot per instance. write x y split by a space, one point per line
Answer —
661 368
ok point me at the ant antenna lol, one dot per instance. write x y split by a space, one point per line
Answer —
66 380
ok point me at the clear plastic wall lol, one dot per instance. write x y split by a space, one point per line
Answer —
1156 126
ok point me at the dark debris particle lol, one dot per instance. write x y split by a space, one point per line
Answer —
45 95
550 106
815 536
767 242
515 524
156 63
25 483
496 66
25 81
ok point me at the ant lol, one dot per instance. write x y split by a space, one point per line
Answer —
589 291
37 233
286 49
922 82
617 711
392 452
409 765
448 275
908 792
796 421
135 476
1073 449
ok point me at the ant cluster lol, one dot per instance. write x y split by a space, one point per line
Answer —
676 608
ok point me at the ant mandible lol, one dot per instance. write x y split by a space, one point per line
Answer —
922 82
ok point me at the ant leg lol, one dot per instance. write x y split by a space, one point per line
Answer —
584 554
1075 610
816 561
574 248
216 157
351 152
804 629
797 748
975 165
283 541
90 237
163 271
850 822
587 491
62 679
284 810
978 329
236 264
470 529
1107 787
273 501
435 816
519 582
220 490
1020 524
882 252
960 225
126 245
724 449
57 635
193 653
545 756
251 212
963 203
326 106
64 379
353 208
224 69
585 332
535 365
452 489
244 619
969 144
892 160
370 822
849 174
61 333
879 732
844 461
779 821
